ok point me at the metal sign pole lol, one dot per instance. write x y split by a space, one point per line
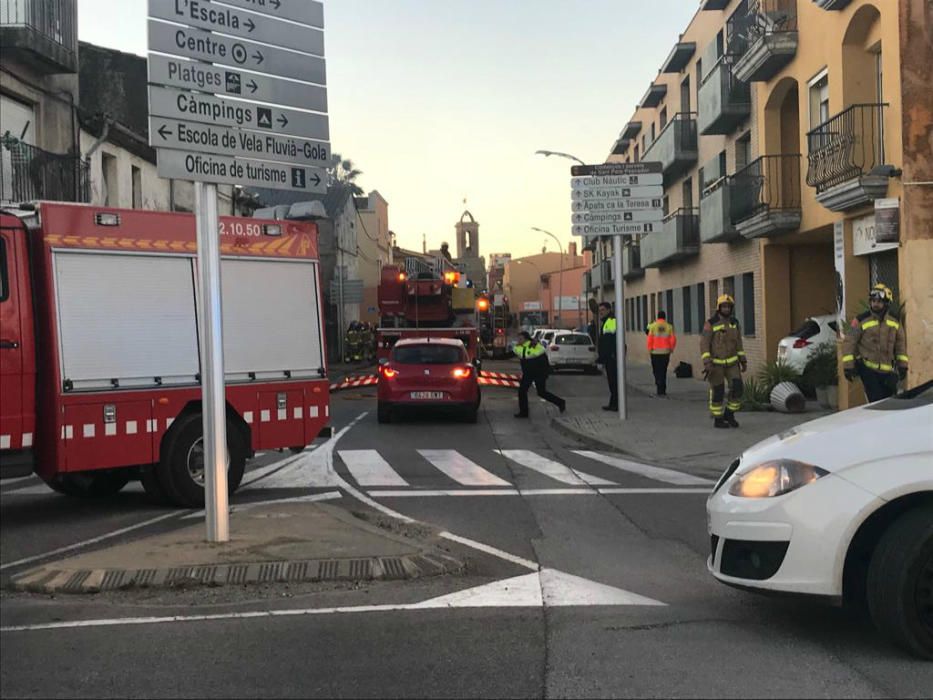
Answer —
213 401
620 324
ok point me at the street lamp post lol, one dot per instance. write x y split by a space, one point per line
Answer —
619 299
560 293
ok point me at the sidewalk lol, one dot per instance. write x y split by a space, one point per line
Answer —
671 431
288 542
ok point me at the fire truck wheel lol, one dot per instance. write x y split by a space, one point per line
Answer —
90 484
181 471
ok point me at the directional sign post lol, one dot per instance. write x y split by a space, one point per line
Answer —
218 79
617 199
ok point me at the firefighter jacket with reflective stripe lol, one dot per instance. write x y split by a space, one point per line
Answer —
661 338
607 343
721 342
533 357
879 342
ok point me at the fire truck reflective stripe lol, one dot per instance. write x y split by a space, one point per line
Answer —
281 414
327 411
89 430
370 469
312 412
168 423
110 429
298 413
4 442
131 427
264 416
248 416
69 432
27 439
150 425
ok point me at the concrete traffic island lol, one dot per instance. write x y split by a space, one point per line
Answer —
278 543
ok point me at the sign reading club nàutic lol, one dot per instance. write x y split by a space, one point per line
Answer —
237 92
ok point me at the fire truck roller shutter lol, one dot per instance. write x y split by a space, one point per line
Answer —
271 321
125 317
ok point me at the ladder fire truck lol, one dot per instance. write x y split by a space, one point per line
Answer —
99 359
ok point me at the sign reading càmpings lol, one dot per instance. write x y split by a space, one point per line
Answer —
238 92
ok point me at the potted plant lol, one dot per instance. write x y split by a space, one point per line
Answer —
822 373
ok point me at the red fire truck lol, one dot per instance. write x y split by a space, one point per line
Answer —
425 304
99 358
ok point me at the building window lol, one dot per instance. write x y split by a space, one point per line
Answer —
819 100
687 310
644 313
644 147
654 307
713 295
663 118
137 188
108 171
701 305
728 286
743 150
669 305
653 132
722 165
748 304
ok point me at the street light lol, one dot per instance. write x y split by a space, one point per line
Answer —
546 154
560 293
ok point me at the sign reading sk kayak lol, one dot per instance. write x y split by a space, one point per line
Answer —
219 117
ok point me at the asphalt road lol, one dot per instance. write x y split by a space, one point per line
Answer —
628 607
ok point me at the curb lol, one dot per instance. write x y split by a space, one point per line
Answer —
595 442
85 581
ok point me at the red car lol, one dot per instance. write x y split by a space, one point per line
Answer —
430 372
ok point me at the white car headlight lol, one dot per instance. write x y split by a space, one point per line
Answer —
775 478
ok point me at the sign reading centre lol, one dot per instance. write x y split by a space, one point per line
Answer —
617 199
218 79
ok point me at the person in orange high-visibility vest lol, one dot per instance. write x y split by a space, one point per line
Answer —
661 343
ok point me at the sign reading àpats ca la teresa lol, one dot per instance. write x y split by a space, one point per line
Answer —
218 82
617 199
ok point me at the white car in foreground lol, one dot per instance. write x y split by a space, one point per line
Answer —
841 508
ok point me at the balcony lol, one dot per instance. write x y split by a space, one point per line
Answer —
653 97
28 173
679 57
714 4
716 219
680 239
41 33
589 242
725 101
631 262
847 164
675 147
763 40
600 275
832 4
766 196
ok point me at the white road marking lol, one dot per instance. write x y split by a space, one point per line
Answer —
461 469
240 507
635 492
370 469
669 476
17 480
547 588
93 540
484 492
44 489
552 469
479 546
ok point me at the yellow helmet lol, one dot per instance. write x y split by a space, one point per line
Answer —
725 299
881 292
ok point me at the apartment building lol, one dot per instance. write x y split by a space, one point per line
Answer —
794 136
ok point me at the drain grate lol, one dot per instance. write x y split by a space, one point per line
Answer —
361 569
269 572
145 577
236 575
297 571
327 570
393 568
76 580
112 580
178 575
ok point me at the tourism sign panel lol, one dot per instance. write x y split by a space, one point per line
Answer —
219 76
617 199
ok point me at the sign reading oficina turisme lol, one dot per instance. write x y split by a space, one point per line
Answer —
218 79
617 199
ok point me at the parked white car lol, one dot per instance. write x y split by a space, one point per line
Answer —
570 350
840 508
797 348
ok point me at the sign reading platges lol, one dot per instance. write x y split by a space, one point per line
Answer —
219 117
617 199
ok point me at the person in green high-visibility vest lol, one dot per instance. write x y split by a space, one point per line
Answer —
535 370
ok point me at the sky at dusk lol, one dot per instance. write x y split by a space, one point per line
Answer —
438 101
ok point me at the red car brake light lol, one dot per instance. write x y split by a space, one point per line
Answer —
388 372
801 343
462 372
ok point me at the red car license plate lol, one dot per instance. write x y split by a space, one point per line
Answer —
427 395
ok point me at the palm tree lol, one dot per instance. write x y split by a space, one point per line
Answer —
343 171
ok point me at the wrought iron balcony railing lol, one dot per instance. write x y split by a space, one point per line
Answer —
28 173
770 183
763 18
847 146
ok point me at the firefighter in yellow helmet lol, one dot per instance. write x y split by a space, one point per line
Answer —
875 347
723 362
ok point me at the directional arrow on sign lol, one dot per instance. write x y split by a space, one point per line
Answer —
164 132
